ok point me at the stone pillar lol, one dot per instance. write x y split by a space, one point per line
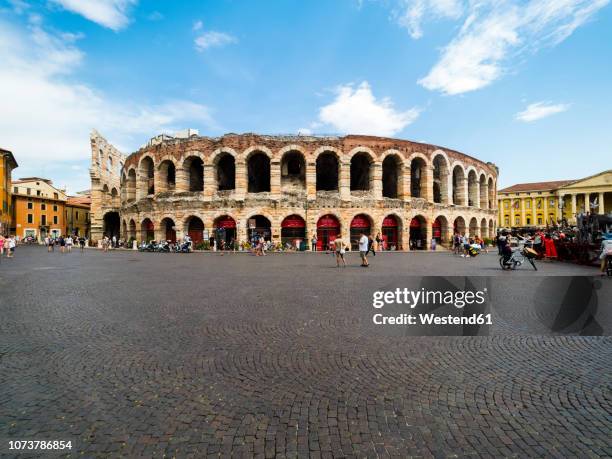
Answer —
545 206
428 235
311 180
602 207
376 182
484 194
181 180
428 181
405 179
275 179
157 181
345 180
241 179
210 184
522 211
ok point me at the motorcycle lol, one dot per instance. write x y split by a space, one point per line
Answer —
163 247
184 247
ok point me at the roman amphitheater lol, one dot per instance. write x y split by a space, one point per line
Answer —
287 188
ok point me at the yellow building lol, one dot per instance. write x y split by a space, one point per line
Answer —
39 208
77 215
549 203
7 164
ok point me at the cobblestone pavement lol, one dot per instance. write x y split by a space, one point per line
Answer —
145 355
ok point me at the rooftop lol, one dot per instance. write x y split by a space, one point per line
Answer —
535 186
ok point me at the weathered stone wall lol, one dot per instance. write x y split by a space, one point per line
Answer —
180 204
105 172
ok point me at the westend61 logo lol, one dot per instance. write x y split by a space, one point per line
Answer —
431 299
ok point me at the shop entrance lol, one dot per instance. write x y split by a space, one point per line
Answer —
390 229
328 228
260 226
359 224
225 232
418 233
293 232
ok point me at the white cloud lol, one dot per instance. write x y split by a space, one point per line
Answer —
411 13
212 39
107 13
540 110
197 26
494 32
47 114
357 111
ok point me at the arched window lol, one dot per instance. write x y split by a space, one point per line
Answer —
327 172
390 177
258 173
360 172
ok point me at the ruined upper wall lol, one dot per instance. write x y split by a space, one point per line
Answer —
241 142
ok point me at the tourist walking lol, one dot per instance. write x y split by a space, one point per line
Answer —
313 242
82 243
6 245
379 240
433 244
11 247
1 245
114 246
62 243
69 243
371 246
364 244
340 250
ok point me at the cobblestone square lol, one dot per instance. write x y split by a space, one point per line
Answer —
132 354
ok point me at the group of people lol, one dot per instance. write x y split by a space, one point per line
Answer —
7 246
468 246
365 244
65 244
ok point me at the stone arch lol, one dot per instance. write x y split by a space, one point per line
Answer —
327 170
263 227
258 171
392 229
473 227
360 222
492 228
193 226
293 170
392 169
246 154
441 172
124 229
147 229
418 175
105 190
484 194
131 185
329 227
418 232
440 229
193 172
458 181
214 156
362 170
225 170
472 187
167 175
146 176
167 228
459 226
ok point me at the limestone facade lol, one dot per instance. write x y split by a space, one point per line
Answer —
171 183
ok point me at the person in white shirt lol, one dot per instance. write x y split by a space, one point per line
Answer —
11 247
69 243
606 251
363 249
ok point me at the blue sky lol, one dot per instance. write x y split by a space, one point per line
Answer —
524 84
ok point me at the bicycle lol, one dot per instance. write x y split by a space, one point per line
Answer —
517 258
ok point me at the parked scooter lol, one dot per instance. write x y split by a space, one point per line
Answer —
163 247
184 247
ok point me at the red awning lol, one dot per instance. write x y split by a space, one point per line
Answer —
390 222
293 221
360 221
415 223
328 221
225 222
